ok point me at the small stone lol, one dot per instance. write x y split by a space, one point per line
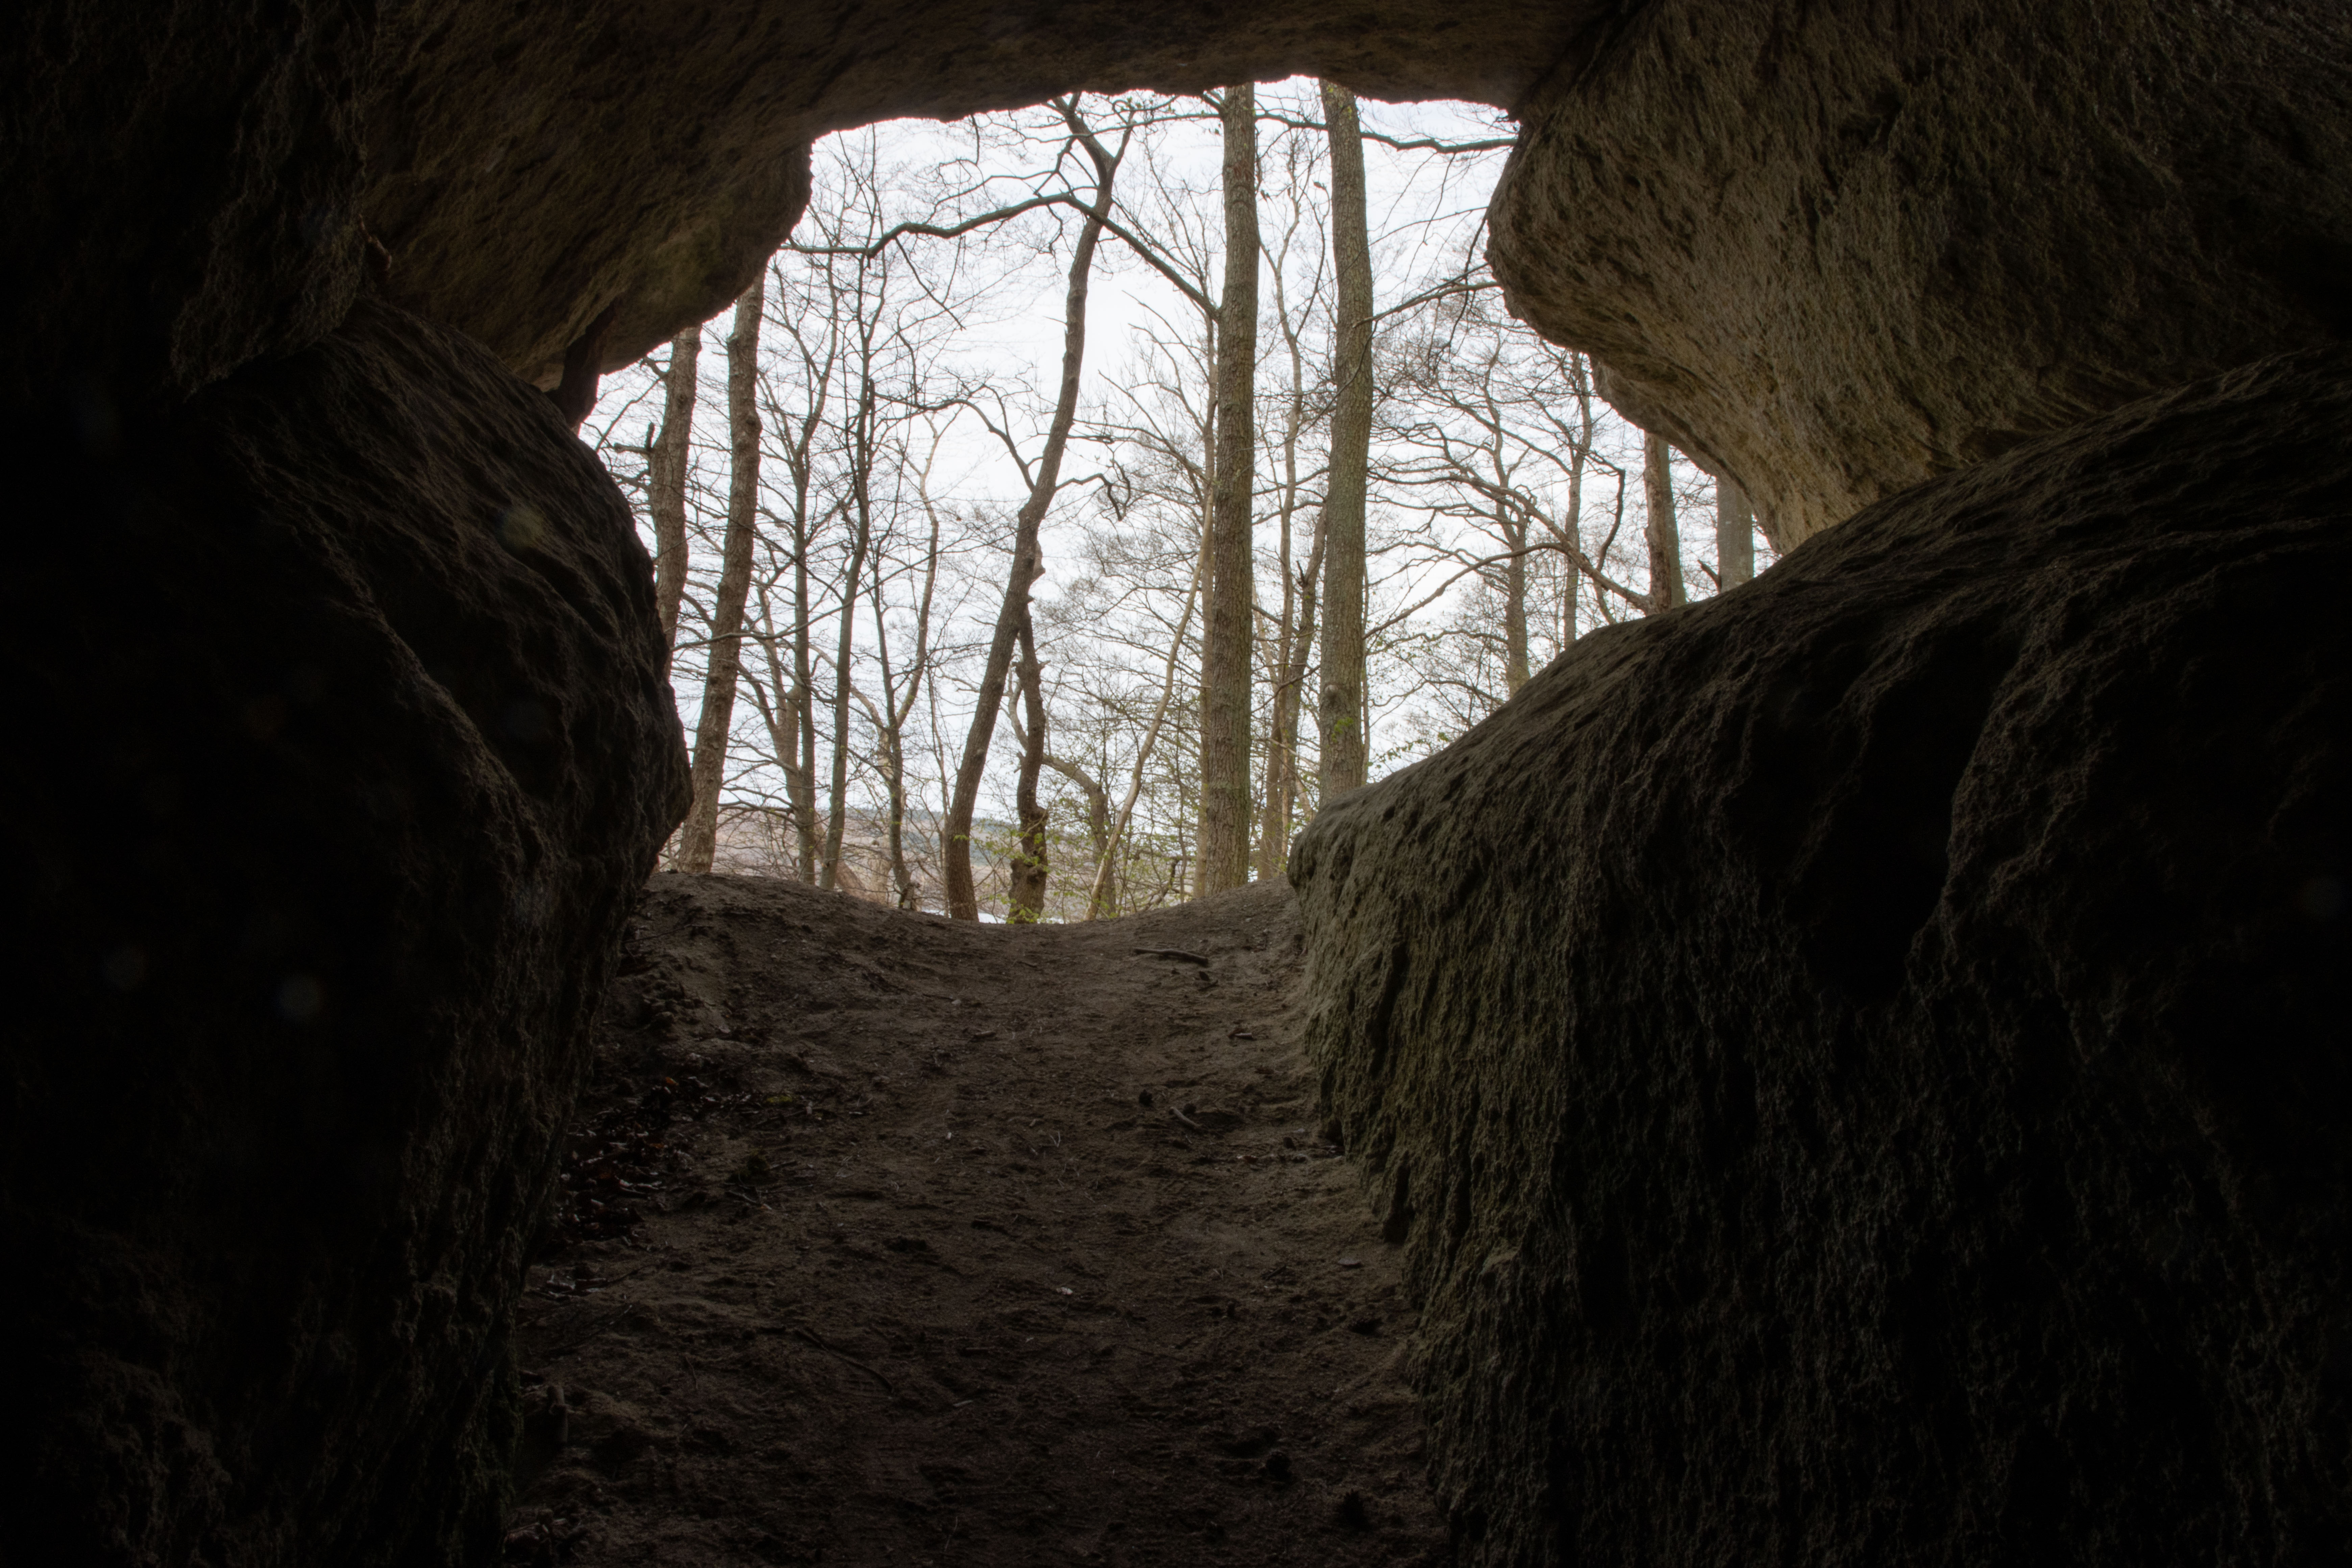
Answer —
1351 1263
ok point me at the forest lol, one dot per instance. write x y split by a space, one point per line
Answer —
1087 492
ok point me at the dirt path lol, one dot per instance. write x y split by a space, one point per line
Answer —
960 1245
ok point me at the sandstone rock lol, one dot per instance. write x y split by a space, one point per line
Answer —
655 153
341 746
1860 1065
1834 250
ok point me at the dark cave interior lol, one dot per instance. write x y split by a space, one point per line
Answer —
1857 1067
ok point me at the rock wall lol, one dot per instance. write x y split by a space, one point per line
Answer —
341 744
1859 1066
1834 250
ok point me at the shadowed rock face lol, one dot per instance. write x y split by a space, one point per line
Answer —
341 746
1859 1065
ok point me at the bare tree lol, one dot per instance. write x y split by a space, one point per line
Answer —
890 715
1225 852
667 456
700 838
1291 633
1339 713
1734 534
1665 538
1102 896
1026 885
1044 480
862 456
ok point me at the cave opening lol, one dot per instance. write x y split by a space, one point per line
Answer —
1739 1225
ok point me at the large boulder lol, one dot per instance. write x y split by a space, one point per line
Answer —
1859 1066
1836 249
341 743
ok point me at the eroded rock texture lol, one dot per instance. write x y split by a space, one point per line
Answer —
1859 1067
1834 250
341 746
655 153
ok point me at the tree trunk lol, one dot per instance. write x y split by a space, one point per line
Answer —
1282 807
1665 540
1103 900
892 720
800 781
1226 641
1026 895
1098 810
1578 457
1734 534
838 799
668 456
1339 712
962 898
701 836
1515 607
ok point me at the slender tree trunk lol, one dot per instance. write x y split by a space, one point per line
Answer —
1665 538
1025 897
1295 631
1097 809
666 457
899 709
802 781
1577 460
1281 744
962 897
1226 631
1339 710
775 699
1734 534
1515 607
838 799
1288 701
1104 897
701 836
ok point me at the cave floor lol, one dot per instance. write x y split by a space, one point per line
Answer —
893 1240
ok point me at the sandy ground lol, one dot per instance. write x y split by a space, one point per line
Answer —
890 1240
